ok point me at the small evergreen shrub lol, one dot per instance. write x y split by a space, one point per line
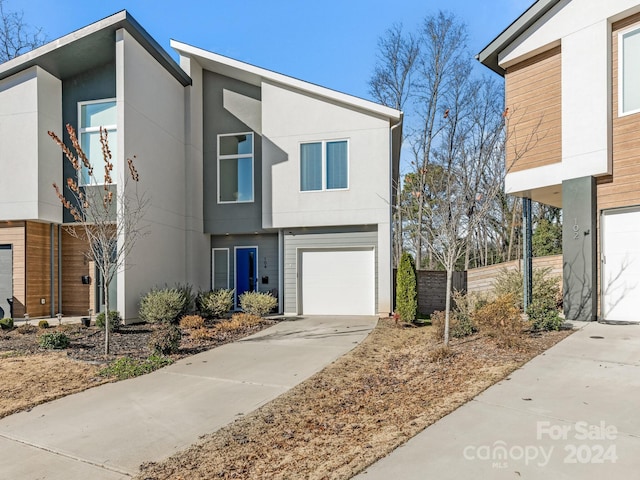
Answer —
43 324
165 340
162 305
257 303
54 340
215 304
192 322
406 290
127 367
544 318
188 299
114 320
6 323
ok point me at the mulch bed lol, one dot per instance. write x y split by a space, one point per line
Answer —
87 343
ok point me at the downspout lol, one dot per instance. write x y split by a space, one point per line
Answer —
280 271
52 275
391 208
59 268
527 250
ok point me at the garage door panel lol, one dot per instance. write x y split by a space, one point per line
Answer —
338 282
621 267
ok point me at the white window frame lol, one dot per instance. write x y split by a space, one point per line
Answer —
236 156
213 266
621 34
324 165
81 130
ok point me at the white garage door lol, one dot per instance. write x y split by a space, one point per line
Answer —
621 265
337 282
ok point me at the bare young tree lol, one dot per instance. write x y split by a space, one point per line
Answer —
107 214
16 36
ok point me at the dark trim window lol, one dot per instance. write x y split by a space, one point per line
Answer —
324 165
235 168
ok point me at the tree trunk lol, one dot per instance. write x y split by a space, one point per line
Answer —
107 321
447 308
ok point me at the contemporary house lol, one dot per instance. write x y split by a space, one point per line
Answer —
572 80
256 180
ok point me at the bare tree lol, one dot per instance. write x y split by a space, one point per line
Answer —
107 214
16 36
392 85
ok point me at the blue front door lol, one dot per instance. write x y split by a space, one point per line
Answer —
246 271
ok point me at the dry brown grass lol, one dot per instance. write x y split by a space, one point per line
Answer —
238 321
357 410
30 380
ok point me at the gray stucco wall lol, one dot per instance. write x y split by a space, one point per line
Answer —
294 239
579 248
232 218
267 254
94 84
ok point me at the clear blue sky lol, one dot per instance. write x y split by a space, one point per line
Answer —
328 42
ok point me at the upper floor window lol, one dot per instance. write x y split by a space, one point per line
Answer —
93 115
235 168
629 71
324 165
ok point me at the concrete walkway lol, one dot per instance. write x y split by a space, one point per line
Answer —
573 412
106 432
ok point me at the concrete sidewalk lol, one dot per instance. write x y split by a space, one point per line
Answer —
572 412
106 432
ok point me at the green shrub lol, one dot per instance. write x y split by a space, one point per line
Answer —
257 303
6 323
127 367
545 288
114 320
406 290
188 299
215 304
165 340
162 305
54 340
43 324
544 318
192 321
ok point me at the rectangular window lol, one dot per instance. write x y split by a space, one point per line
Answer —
220 268
324 166
91 116
629 71
235 168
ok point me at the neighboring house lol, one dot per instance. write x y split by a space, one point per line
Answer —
572 80
256 180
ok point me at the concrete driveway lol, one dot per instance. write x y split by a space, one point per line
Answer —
108 431
572 412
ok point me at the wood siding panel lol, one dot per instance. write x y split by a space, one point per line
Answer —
533 98
622 188
13 233
75 295
38 269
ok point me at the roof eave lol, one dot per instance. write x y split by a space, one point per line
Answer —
488 56
256 75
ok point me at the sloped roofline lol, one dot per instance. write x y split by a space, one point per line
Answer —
123 19
255 75
488 56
